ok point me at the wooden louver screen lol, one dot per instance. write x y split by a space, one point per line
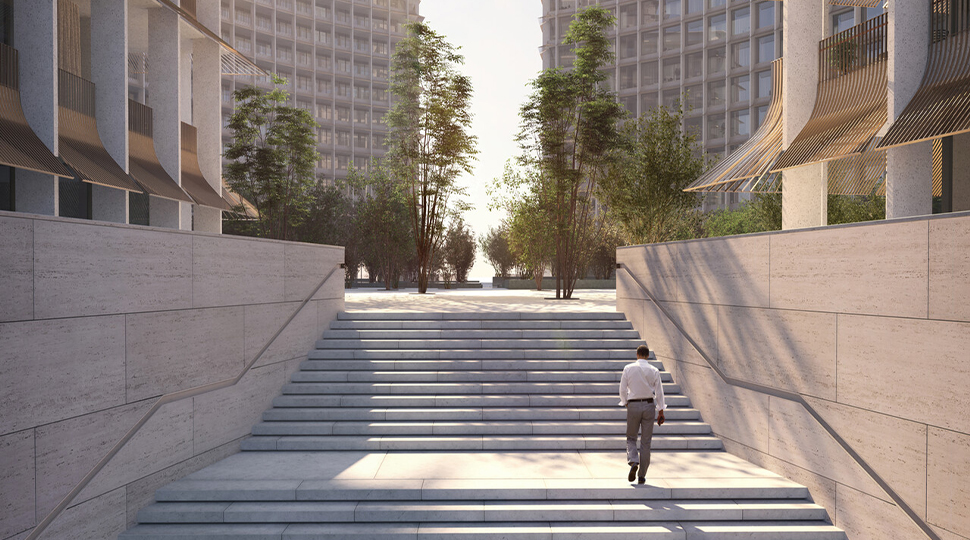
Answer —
142 160
19 145
192 180
851 103
747 168
941 106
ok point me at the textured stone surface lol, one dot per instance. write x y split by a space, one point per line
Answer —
949 279
262 323
834 269
304 267
790 350
214 424
67 450
50 370
878 356
668 342
229 271
96 519
863 516
327 312
16 267
948 491
16 483
175 350
82 269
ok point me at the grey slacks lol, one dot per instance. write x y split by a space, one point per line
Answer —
639 417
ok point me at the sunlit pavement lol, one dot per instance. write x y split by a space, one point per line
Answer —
478 300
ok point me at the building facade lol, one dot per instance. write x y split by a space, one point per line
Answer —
110 111
335 56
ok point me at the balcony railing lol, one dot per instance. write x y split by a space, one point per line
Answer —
857 47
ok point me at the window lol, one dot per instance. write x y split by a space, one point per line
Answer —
695 32
304 58
672 38
284 28
762 112
361 92
628 77
343 66
671 99
694 65
628 46
325 62
741 55
323 37
361 70
648 42
715 93
361 116
715 126
842 21
740 21
740 123
324 111
650 11
871 12
362 140
695 97
362 45
649 73
343 114
766 14
717 28
343 138
284 54
324 86
630 104
714 4
628 16
380 73
739 89
610 82
692 126
764 84
324 136
304 84
715 61
671 69
304 33
648 101
343 90
671 9
766 48
694 6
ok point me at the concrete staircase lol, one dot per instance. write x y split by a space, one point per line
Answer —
470 389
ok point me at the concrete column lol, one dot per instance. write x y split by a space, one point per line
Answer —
109 73
805 189
961 172
164 76
35 37
188 211
909 169
207 112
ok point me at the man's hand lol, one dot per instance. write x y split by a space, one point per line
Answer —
660 418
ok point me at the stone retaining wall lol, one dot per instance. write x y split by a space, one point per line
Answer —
98 320
869 322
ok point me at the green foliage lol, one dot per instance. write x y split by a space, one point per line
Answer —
497 251
567 134
331 219
853 209
644 188
382 224
762 213
272 157
529 222
429 143
607 238
459 249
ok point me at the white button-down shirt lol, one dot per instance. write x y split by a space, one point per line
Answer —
640 380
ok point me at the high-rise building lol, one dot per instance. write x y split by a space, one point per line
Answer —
336 58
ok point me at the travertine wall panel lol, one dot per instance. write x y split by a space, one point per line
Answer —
868 323
948 492
733 272
949 287
877 270
67 450
16 479
882 359
255 276
101 269
17 269
791 350
51 370
124 314
175 350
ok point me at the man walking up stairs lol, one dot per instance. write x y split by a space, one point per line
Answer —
475 425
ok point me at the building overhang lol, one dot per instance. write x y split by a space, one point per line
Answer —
193 182
142 160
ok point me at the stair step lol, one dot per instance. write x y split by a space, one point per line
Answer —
468 428
625 345
479 316
480 334
738 488
433 365
472 442
323 414
481 325
478 511
479 354
466 388
396 376
461 401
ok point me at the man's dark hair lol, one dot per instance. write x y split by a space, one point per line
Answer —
643 351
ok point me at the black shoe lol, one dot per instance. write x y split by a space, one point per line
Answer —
641 480
633 472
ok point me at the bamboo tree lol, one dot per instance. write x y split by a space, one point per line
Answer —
429 143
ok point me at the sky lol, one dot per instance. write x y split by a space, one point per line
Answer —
500 40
